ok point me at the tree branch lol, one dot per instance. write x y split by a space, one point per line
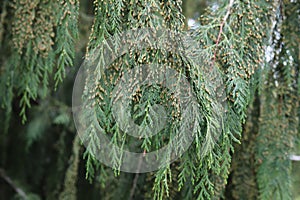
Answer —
12 184
221 28
136 178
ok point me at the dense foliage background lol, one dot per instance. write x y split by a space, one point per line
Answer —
254 43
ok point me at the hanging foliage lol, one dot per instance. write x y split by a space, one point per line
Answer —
235 103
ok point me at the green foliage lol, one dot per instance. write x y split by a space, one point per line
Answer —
249 104
278 119
36 26
274 134
232 38
66 33
243 184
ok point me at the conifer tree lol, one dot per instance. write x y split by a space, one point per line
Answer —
245 82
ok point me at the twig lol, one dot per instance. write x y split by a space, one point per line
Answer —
135 178
221 28
12 184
